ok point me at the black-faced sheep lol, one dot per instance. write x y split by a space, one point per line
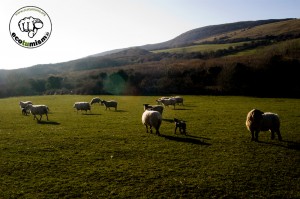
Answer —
257 121
181 125
82 106
95 100
38 110
158 108
109 104
152 119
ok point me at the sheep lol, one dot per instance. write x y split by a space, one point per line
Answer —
257 121
109 104
158 108
179 100
24 104
95 100
167 102
161 98
152 119
181 125
38 110
83 106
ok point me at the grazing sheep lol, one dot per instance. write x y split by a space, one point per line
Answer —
259 121
152 119
24 104
158 108
109 104
95 100
161 98
179 100
38 110
82 106
167 102
181 125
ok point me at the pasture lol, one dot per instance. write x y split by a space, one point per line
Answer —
108 154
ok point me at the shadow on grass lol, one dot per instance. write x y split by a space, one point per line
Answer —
187 139
168 120
48 122
91 114
285 144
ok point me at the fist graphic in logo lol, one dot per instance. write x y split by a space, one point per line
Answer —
30 25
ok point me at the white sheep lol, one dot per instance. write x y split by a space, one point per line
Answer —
152 119
179 100
95 100
82 106
158 108
24 104
167 102
161 98
257 121
109 104
38 110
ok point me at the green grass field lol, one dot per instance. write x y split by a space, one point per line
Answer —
108 154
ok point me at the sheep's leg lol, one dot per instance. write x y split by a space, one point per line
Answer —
175 129
272 135
157 132
40 117
146 128
279 135
150 129
256 136
252 136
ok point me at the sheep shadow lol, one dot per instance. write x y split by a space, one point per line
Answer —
48 122
285 144
187 139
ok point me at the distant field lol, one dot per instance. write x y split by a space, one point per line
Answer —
108 154
200 48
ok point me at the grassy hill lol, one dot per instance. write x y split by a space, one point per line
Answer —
207 61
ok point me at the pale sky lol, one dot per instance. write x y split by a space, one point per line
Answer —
85 27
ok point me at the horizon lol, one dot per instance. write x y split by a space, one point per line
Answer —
97 27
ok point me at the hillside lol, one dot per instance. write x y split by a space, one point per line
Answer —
209 60
276 29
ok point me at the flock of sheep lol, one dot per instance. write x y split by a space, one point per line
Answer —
256 120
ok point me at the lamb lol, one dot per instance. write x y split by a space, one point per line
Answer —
82 106
109 104
181 125
95 100
24 104
257 121
38 110
167 102
158 108
24 111
152 119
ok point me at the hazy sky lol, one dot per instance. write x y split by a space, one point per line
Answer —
85 27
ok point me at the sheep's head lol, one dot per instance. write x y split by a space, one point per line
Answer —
257 115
